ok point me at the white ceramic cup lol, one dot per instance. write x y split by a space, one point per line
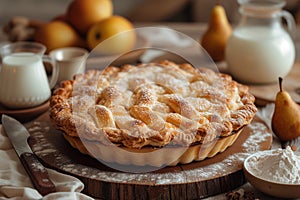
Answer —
70 61
23 79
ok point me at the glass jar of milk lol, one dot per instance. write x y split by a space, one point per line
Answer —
261 47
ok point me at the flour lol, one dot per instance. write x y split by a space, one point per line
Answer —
280 165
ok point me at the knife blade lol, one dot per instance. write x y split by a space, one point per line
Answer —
18 135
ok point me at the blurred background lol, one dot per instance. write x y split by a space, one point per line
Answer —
135 10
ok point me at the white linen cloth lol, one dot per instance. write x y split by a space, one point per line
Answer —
15 184
165 38
161 36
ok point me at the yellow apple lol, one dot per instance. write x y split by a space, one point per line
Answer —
57 34
82 14
112 35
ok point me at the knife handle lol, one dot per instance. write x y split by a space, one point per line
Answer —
37 173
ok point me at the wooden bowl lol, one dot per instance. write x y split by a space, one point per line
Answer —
275 189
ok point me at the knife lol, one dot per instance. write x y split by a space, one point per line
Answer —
18 136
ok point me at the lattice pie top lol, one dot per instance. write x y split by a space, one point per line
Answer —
152 105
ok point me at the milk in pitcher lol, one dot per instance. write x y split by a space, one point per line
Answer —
18 79
260 54
261 49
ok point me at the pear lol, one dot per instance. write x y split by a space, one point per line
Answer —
218 32
286 116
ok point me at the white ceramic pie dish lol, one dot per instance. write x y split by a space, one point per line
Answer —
149 156
275 189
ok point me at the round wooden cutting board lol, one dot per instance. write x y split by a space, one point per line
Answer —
196 180
267 93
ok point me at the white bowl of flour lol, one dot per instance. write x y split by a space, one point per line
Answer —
275 172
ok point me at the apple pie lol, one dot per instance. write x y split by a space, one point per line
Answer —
152 113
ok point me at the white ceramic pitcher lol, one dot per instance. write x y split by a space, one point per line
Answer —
261 48
23 79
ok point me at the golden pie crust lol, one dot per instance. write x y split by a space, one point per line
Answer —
186 113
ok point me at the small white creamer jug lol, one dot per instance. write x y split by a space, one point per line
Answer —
23 79
261 47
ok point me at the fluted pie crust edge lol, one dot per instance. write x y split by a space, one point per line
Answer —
166 157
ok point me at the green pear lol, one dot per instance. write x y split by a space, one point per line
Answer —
218 32
286 116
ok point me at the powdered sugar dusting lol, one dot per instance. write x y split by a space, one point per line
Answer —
43 148
235 161
258 135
